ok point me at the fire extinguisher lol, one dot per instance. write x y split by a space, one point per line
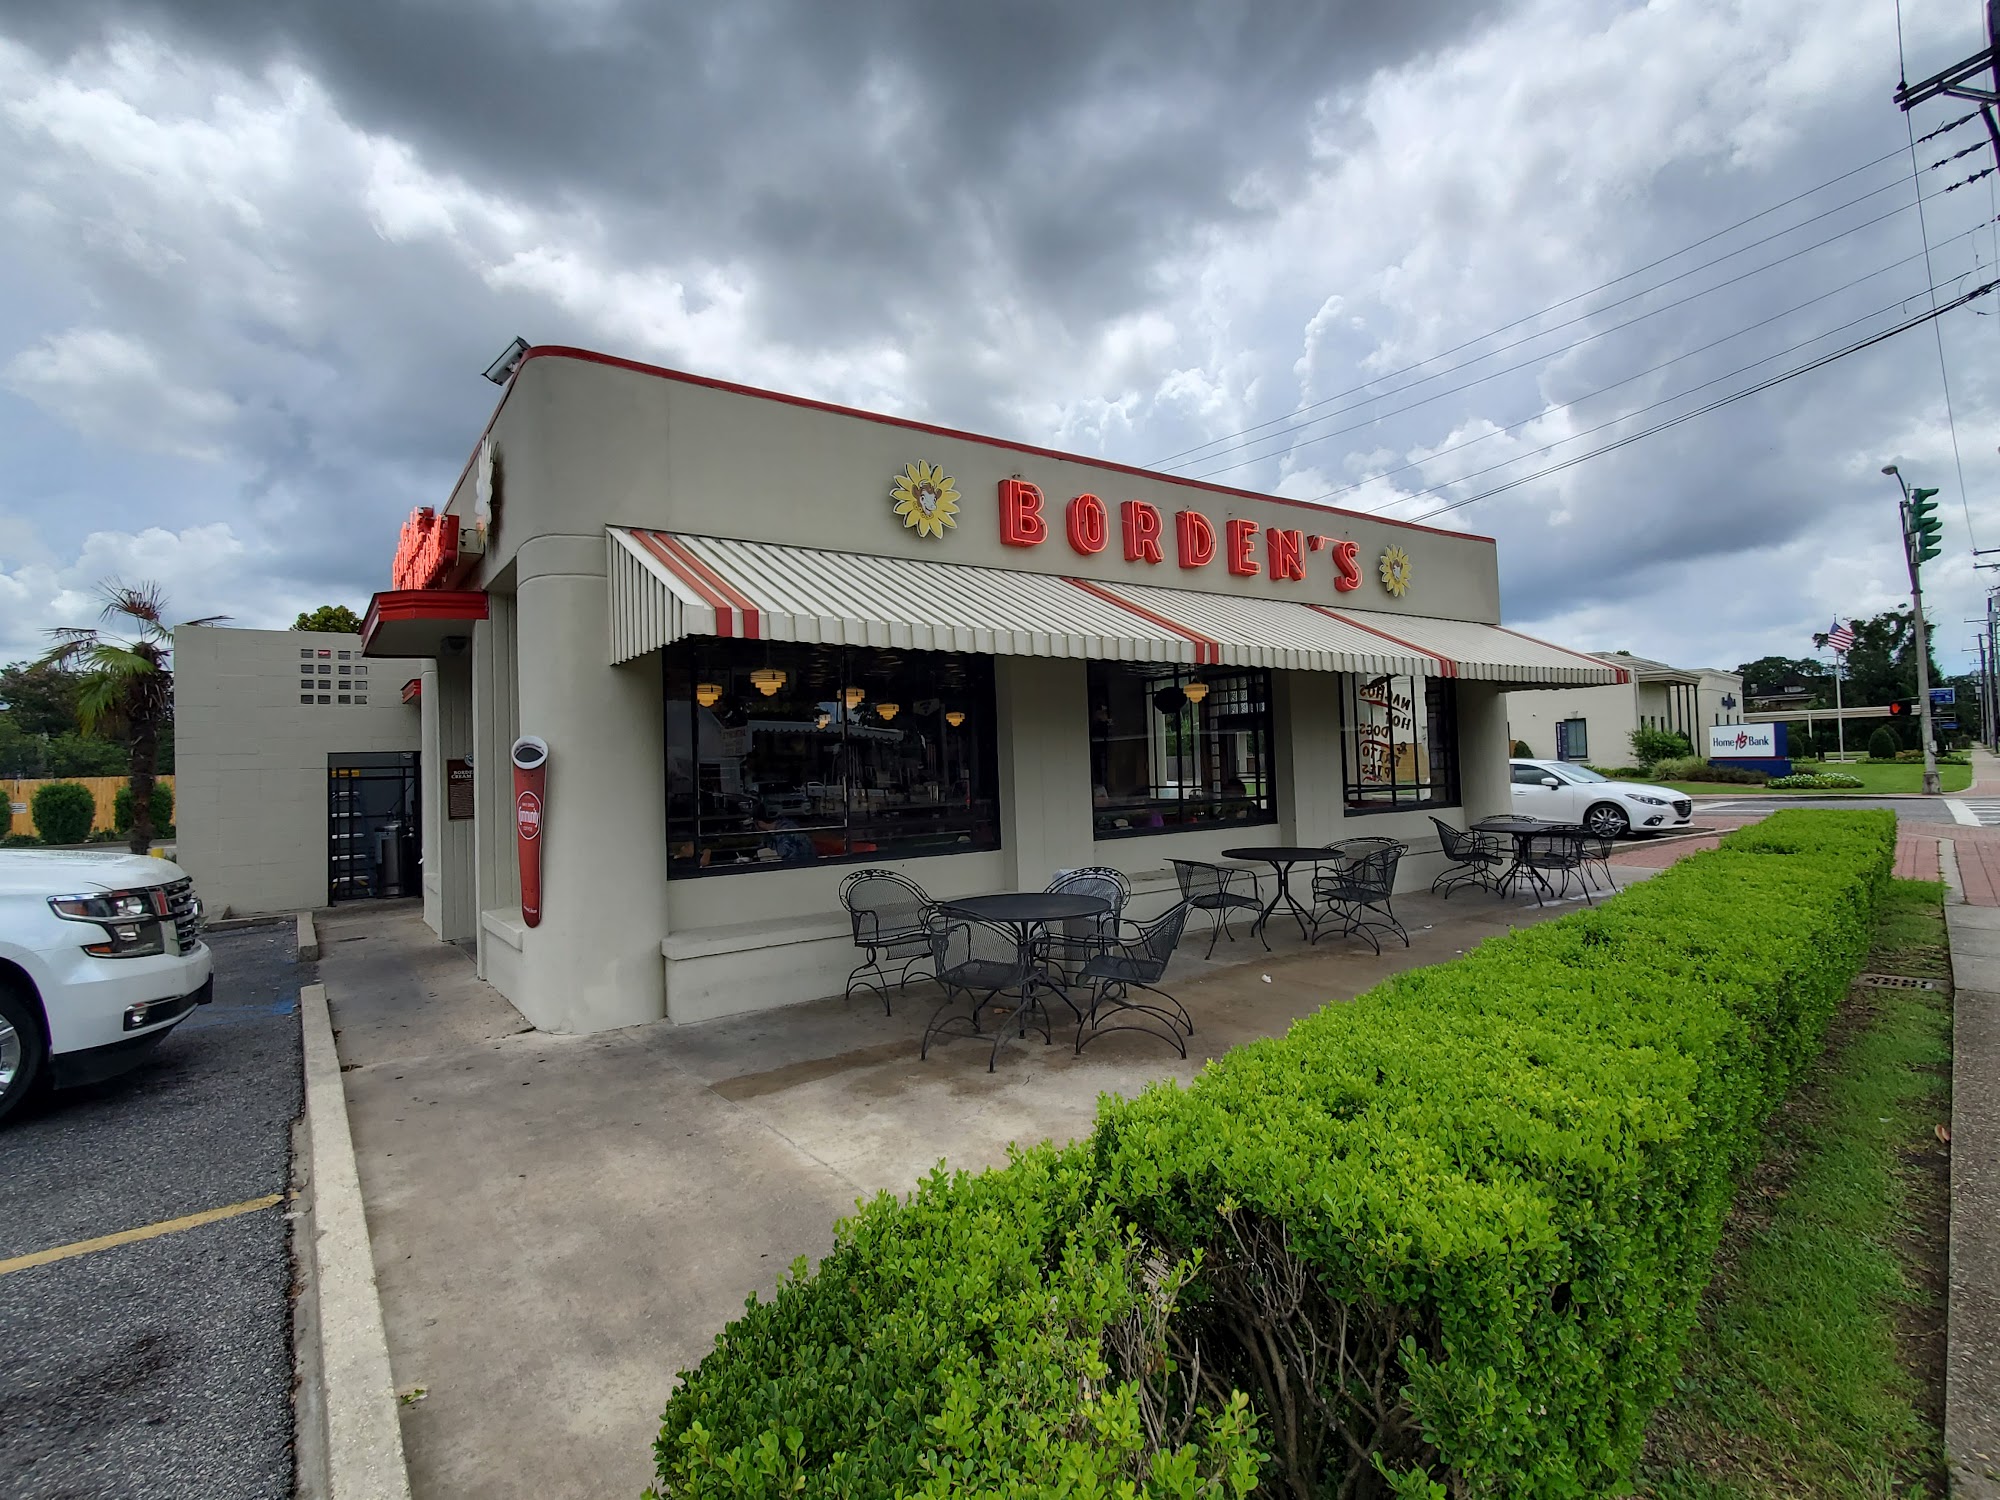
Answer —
531 767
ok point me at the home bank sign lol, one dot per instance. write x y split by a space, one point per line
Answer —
927 501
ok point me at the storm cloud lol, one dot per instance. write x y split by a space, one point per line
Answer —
256 254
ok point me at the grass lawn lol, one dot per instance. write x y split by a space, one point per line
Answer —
1818 1368
1874 775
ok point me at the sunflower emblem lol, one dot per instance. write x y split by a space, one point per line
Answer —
1395 571
925 498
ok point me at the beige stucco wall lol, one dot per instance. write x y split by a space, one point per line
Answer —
581 445
1611 712
251 760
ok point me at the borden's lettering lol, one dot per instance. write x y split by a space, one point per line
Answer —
1241 535
1347 558
1021 523
1286 550
1087 523
1194 539
1141 524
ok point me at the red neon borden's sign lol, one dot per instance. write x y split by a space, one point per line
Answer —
427 551
1246 549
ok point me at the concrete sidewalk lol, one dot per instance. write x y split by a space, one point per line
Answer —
562 1224
1972 1357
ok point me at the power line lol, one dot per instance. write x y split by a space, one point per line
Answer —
1545 354
1716 405
1549 411
1602 286
1937 329
1639 411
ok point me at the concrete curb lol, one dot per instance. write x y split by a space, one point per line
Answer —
308 939
1972 1307
348 1394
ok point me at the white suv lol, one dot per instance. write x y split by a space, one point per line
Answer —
100 957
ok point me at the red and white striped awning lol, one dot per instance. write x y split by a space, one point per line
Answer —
665 586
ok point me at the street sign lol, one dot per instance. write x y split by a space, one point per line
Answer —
1943 695
1944 723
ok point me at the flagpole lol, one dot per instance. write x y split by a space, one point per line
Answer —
1839 714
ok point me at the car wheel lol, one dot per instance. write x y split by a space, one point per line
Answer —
1607 822
20 1048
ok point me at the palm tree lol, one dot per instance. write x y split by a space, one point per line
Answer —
127 683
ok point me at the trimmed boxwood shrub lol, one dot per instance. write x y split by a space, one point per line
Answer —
1447 1238
163 807
1882 744
63 812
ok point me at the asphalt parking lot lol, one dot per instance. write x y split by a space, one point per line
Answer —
160 1368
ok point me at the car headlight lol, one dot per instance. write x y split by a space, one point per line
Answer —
130 920
1649 801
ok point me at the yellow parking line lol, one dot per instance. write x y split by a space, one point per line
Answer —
144 1232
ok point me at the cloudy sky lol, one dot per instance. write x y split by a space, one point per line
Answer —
254 254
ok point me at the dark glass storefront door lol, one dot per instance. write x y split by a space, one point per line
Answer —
374 826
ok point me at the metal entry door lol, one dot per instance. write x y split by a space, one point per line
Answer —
374 838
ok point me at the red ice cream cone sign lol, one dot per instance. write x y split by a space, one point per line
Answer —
531 766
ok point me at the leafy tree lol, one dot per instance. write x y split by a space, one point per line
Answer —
39 696
1882 744
1770 670
127 682
333 619
1882 667
63 812
76 754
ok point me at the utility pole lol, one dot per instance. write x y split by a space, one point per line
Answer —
1956 80
1921 529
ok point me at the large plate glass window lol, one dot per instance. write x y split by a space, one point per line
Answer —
1398 743
1572 739
1174 748
784 755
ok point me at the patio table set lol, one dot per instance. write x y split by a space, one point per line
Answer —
1541 850
1013 953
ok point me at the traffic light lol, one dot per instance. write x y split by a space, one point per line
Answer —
1902 708
1921 525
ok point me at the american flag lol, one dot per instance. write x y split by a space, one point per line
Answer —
1840 638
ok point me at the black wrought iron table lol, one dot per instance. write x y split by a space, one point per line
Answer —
1523 831
1282 858
1024 911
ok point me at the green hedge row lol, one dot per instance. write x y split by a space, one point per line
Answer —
1448 1237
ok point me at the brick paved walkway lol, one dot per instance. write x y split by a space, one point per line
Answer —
1977 849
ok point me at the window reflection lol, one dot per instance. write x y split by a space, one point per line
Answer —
1173 748
791 755
1398 741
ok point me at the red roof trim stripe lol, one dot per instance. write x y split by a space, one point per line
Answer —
661 372
655 543
1595 661
1450 667
1207 650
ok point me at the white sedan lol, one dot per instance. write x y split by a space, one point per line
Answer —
1559 792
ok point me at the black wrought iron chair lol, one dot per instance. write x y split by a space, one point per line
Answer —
1076 942
1558 852
1136 961
976 962
1597 851
1472 857
1211 888
1359 892
891 917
